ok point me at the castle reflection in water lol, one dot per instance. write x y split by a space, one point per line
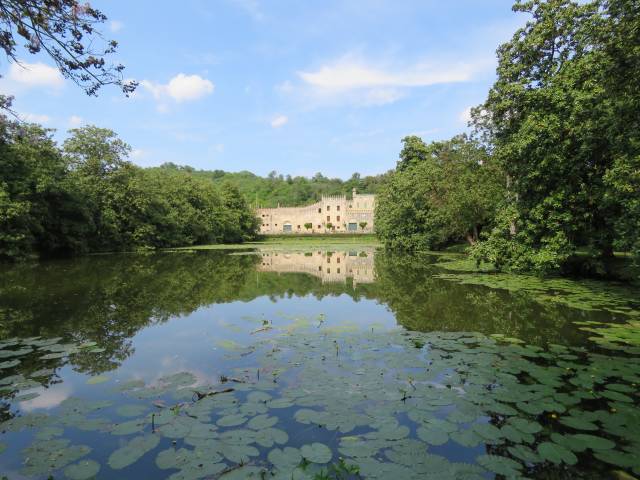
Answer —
329 266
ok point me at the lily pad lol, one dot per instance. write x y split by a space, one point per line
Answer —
316 453
133 451
83 470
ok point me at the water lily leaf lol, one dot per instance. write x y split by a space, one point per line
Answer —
500 465
133 451
557 454
9 364
593 442
26 397
286 459
317 453
262 421
133 410
242 473
129 427
83 470
433 436
231 420
466 438
97 379
619 459
524 453
578 423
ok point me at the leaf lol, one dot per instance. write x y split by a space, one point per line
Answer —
317 453
262 421
578 423
83 470
500 465
97 379
433 436
557 454
133 451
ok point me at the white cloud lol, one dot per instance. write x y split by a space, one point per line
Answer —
75 121
116 26
353 80
35 75
181 88
465 115
34 117
279 121
349 73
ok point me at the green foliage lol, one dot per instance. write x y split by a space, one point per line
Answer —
277 189
88 197
562 121
439 194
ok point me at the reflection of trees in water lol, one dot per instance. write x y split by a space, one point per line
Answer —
424 303
108 299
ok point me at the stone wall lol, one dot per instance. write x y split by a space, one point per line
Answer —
333 214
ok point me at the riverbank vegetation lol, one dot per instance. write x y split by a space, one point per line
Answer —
552 178
84 196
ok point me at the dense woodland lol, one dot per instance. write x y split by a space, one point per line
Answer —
86 197
551 180
285 190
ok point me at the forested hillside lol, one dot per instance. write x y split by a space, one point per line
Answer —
284 189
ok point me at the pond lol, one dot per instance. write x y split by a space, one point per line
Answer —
313 364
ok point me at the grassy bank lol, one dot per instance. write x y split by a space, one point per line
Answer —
294 241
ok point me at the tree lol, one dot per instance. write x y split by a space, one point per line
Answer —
450 193
562 121
67 31
363 225
308 226
330 225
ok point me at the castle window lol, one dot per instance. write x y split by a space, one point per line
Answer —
338 271
328 270
320 268
328 259
338 260
338 208
328 218
338 219
328 207
319 227
298 227
320 210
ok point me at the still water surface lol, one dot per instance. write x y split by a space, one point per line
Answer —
285 364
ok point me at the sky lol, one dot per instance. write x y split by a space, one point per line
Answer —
294 86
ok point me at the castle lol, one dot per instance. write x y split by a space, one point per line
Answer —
332 214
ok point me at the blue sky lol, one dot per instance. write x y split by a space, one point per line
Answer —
287 85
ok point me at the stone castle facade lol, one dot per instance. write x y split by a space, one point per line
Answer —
332 214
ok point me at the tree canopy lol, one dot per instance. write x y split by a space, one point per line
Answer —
562 121
440 193
86 196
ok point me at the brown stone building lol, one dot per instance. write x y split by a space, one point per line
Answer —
332 214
